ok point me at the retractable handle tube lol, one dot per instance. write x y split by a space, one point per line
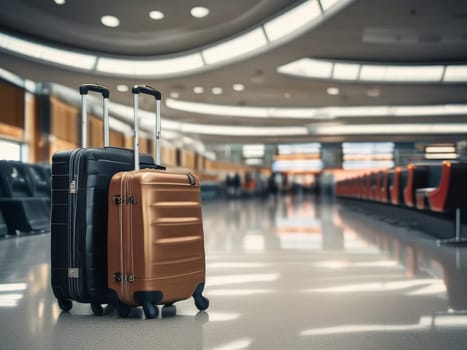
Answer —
147 90
83 90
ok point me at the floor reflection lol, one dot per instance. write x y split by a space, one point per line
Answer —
420 256
280 274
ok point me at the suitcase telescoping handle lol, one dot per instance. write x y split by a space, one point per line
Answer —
83 90
147 90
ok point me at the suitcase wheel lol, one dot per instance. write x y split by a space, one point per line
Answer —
202 303
64 304
97 309
169 310
150 310
123 310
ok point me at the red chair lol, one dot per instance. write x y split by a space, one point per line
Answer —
450 195
386 178
399 181
417 177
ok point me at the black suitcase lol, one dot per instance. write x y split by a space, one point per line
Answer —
80 181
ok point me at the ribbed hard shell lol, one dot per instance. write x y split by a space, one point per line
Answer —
157 236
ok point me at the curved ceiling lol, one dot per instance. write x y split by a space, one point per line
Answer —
398 32
77 25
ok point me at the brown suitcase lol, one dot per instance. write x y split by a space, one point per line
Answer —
155 235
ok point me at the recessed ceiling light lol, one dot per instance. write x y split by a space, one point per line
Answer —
122 88
156 15
333 91
198 89
238 87
287 95
199 12
373 92
59 2
110 21
174 94
216 90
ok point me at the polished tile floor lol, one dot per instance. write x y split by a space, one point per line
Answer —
296 273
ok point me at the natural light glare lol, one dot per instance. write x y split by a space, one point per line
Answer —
12 287
346 264
235 265
238 292
435 288
375 286
10 150
10 300
222 316
239 344
241 279
333 264
253 243
300 241
424 323
450 321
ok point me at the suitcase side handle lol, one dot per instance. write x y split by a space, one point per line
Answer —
148 90
83 90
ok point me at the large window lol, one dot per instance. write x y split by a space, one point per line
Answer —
10 150
367 155
298 158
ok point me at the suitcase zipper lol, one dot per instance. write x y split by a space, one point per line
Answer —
118 275
70 222
73 271
130 201
126 234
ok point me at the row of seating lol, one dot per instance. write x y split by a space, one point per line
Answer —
437 187
24 197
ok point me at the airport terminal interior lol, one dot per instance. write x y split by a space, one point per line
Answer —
324 148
